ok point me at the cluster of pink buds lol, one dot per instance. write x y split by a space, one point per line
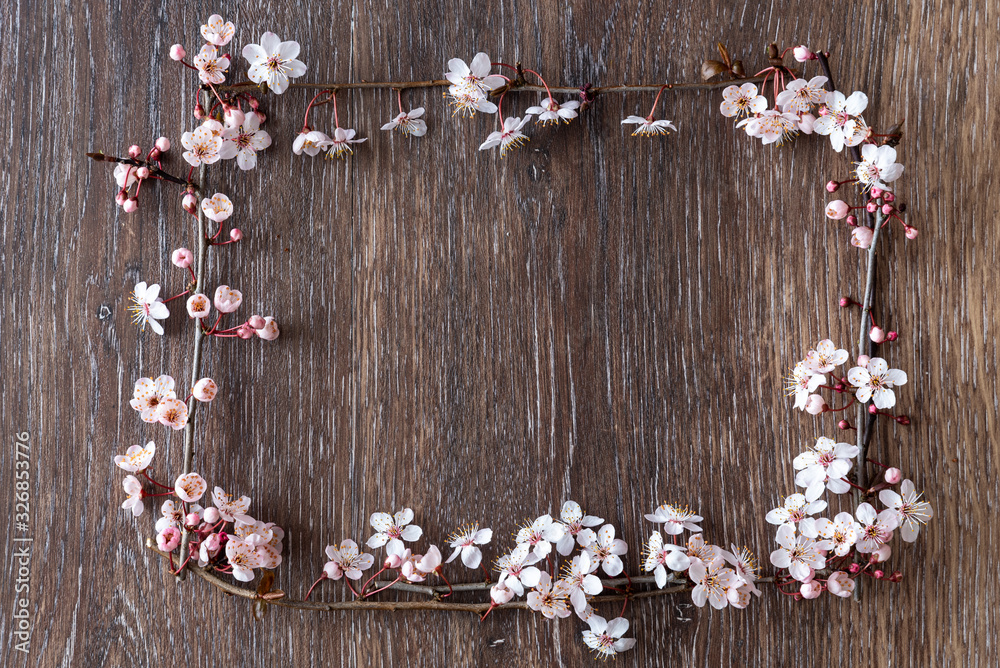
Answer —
878 200
227 300
135 171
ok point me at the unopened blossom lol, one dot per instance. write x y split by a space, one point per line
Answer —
550 111
500 594
230 509
243 557
550 599
148 394
843 121
840 584
910 510
168 539
465 541
218 208
125 175
205 390
712 583
172 413
803 382
581 582
209 548
795 508
273 62
540 535
800 95
340 144
408 122
577 525
803 54
226 299
825 463
660 556
198 305
470 84
310 142
825 357
211 66
137 458
516 569
214 127
875 382
509 137
190 487
394 529
182 258
801 554
410 570
815 404
698 551
269 331
133 488
876 529
878 166
861 237
607 550
742 100
244 141
843 532
647 127
605 637
218 31
346 559
147 307
675 519
771 126
202 146
745 565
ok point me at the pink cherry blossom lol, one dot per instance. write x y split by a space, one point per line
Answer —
226 299
209 548
840 584
148 394
168 539
190 487
218 208
346 559
198 305
172 413
182 257
205 390
500 594
269 330
861 237
211 67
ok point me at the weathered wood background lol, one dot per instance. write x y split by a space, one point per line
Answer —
596 317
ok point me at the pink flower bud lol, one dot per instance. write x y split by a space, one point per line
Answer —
254 103
120 198
903 420
883 553
269 331
499 594
852 220
802 54
887 209
163 144
154 153
245 332
177 52
261 117
256 322
861 237
893 475
877 334
896 576
205 390
863 361
837 209
130 205
844 425
168 539
134 151
226 299
844 302
212 515
815 404
840 584
854 568
142 173
235 234
182 257
430 561
234 117
871 207
199 111
811 589
911 233
831 186
878 574
889 197
873 410
876 192
198 305
190 203
192 520
892 335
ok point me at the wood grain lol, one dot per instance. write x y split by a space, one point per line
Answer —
596 317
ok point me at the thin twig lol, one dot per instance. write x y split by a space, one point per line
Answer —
154 169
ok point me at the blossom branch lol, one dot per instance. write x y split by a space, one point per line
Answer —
154 169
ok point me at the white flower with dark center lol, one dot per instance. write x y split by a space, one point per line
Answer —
647 127
464 542
394 529
311 143
147 307
137 458
230 509
580 581
551 111
516 570
660 556
911 511
802 382
340 145
801 555
577 526
607 550
706 554
273 62
540 535
471 83
878 166
173 514
346 559
148 394
740 100
843 532
800 95
244 141
876 530
211 67
842 120
771 126
408 122
712 583
218 31
605 637
508 138
875 382
202 146
825 357
550 599
795 509
826 463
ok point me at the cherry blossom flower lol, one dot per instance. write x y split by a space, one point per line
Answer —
675 519
471 83
551 111
211 67
876 530
910 510
265 537
205 390
605 637
698 551
516 570
771 126
273 62
826 463
172 413
190 487
842 532
269 331
202 145
580 582
137 458
340 145
230 509
739 597
745 566
875 382
214 127
540 535
310 142
125 175
346 559
133 488
218 208
147 307
842 120
394 529
408 122
168 539
801 555
840 584
174 515
577 528
878 166
802 382
861 237
607 549
243 557
800 95
795 509
198 305
500 594
431 560
244 141
647 127
509 137
209 548
218 31
740 100
660 556
712 583
550 598
825 357
465 540
410 570
148 394
226 299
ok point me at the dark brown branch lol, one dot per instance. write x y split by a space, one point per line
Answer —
154 170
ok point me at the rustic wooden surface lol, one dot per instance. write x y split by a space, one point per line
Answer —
595 317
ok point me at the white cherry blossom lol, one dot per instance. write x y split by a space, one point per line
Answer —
550 599
842 120
244 141
311 143
607 550
394 529
147 307
878 166
202 145
843 532
408 122
647 127
605 637
742 100
795 509
875 382
273 62
540 535
464 543
660 556
243 557
675 519
218 31
771 126
137 458
580 581
551 111
516 569
346 559
190 487
712 583
800 95
340 144
218 208
825 463
803 382
876 529
230 509
509 137
801 554
910 510
577 526
133 488
706 554
211 66
148 394
470 84
825 357
745 565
